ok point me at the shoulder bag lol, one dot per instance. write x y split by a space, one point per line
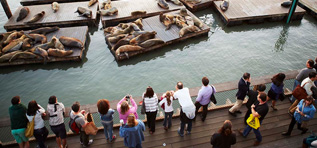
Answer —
299 92
30 128
212 97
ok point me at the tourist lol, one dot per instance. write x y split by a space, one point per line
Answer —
203 98
106 117
253 95
277 88
187 113
150 102
315 65
305 111
81 123
19 121
168 109
259 111
224 138
124 108
243 88
56 111
35 111
132 132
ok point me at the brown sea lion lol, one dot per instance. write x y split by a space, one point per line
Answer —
193 1
8 56
124 41
177 2
23 13
143 37
14 44
59 53
108 12
198 22
71 42
13 36
180 21
92 2
183 12
123 25
107 6
124 31
163 4
189 20
136 13
36 17
41 52
110 30
224 5
139 23
135 27
27 44
17 47
188 29
55 6
136 33
115 39
84 12
44 30
127 48
45 46
151 42
3 37
37 38
58 44
23 55
167 20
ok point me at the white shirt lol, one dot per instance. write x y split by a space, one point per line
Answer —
186 102
308 85
38 121
167 108
56 117
151 103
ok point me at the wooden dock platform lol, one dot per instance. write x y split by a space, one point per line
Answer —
125 7
310 6
199 6
255 11
64 17
168 36
75 32
40 2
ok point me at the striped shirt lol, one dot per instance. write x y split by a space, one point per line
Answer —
150 103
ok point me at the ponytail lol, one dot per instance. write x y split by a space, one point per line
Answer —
168 98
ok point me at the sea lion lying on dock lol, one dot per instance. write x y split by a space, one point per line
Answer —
3 38
188 29
14 35
8 56
167 20
44 30
123 25
41 52
198 22
92 2
71 42
37 38
57 43
180 21
163 4
13 45
23 13
124 31
108 12
127 48
189 20
224 5
23 55
136 33
183 12
151 42
59 53
142 37
193 1
286 4
110 30
84 12
55 6
36 17
177 2
27 44
139 23
136 13
135 27
123 41
115 39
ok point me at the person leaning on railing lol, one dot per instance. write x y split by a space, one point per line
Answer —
124 109
106 117
151 108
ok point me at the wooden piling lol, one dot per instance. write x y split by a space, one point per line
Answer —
6 8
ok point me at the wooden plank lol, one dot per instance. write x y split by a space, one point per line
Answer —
40 2
199 6
310 6
75 32
65 16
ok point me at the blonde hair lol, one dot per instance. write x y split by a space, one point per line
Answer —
131 122
124 107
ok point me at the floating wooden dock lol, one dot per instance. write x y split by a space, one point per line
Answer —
199 6
40 2
168 36
125 7
310 6
255 11
64 17
75 32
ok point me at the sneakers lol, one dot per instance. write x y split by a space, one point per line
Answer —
274 108
256 143
286 134
89 143
179 133
232 114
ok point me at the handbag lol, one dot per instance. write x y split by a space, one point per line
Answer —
212 97
253 122
30 128
299 92
143 108
90 128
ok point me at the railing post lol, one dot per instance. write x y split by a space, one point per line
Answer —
6 8
291 11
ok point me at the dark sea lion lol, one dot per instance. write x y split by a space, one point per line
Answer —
286 4
44 30
41 52
188 29
139 23
45 46
124 41
92 2
23 55
127 48
177 2
142 37
8 56
55 6
136 13
59 53
151 42
71 42
108 12
115 39
163 4
27 44
58 43
37 38
84 12
13 44
36 17
224 5
23 13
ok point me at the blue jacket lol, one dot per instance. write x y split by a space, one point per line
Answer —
243 89
132 135
309 111
108 116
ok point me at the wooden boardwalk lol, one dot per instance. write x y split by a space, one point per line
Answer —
310 6
197 7
255 11
40 2
75 32
64 17
125 7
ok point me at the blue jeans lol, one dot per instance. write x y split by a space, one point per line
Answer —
108 126
40 136
168 117
292 99
189 127
257 133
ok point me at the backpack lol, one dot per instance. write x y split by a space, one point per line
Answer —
72 125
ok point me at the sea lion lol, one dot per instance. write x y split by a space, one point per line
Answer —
142 37
23 13
110 30
127 48
107 6
286 4
84 12
163 4
124 31
58 44
108 12
37 38
115 39
224 5
139 23
59 53
45 46
135 27
55 6
8 56
137 13
193 1
71 42
198 22
151 42
188 29
36 17
44 30
41 52
189 20
167 20
23 55
4 36
177 2
123 25
183 12
180 21
14 44
124 41
92 2
27 44
13 36
17 47
136 33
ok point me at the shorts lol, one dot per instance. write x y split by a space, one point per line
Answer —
59 131
19 135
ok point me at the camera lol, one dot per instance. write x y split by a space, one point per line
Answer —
127 97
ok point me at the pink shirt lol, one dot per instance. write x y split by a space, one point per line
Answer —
133 109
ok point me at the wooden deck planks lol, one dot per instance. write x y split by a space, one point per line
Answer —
75 32
125 7
309 5
39 2
65 16
199 6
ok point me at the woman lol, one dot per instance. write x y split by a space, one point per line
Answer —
168 109
106 117
124 109
276 88
224 138
150 101
40 131
305 111
132 132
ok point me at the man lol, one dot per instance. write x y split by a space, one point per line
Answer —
243 88
203 98
81 122
259 110
187 108
253 95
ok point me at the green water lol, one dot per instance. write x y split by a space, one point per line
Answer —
224 55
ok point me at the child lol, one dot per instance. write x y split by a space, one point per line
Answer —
168 108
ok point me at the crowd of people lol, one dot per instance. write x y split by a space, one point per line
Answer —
302 110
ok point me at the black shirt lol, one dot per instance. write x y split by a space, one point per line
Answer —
253 95
262 110
222 141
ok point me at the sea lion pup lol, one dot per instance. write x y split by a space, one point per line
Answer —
163 4
177 2
23 13
167 20
108 12
286 4
143 37
123 25
188 29
224 5
58 44
136 13
13 36
84 12
44 30
139 23
193 1
55 6
71 42
27 44
37 38
23 55
123 41
59 53
36 17
151 42
183 12
8 56
92 2
13 44
180 21
115 39
127 48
